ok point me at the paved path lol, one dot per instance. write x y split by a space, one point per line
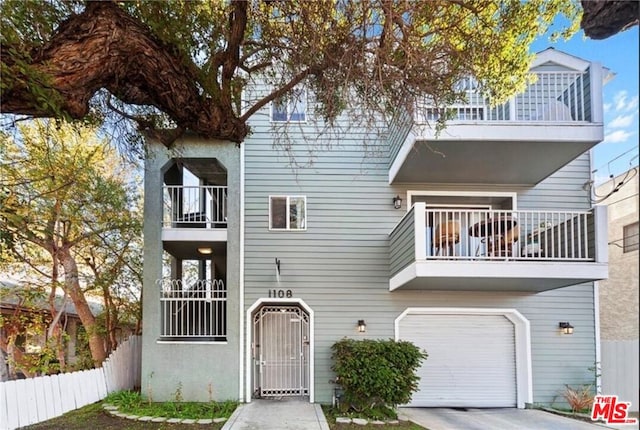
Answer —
286 414
495 419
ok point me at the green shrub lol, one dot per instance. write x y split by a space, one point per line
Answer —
376 373
131 402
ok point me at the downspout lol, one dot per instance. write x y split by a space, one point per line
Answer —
241 278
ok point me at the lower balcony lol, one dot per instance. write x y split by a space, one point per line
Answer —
193 311
497 250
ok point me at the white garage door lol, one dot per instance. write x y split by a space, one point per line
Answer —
471 359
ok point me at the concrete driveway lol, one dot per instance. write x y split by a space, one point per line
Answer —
495 419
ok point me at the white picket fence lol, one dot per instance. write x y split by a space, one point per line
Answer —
29 401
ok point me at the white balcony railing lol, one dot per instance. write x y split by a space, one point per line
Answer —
195 206
551 97
506 234
196 310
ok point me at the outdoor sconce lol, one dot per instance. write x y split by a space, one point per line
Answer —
362 327
397 202
566 327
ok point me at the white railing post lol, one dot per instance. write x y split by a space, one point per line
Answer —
601 239
512 109
420 229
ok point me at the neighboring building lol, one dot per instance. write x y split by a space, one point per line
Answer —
253 269
619 294
33 321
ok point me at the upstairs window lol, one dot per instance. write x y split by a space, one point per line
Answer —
291 108
287 213
630 237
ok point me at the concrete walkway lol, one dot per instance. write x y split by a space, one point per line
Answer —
494 419
285 414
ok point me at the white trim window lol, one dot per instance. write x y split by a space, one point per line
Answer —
290 108
288 213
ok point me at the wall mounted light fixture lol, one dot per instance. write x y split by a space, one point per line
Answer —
566 327
397 202
362 327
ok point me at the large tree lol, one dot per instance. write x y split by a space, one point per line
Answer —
69 216
185 64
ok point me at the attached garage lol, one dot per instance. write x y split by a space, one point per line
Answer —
477 357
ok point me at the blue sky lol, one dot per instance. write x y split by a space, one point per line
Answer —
619 53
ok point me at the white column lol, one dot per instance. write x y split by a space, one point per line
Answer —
595 78
601 238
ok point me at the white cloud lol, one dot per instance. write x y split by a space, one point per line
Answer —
623 103
621 121
633 104
607 107
617 136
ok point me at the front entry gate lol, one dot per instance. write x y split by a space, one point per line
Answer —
281 351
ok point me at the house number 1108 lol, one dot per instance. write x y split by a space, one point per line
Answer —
280 294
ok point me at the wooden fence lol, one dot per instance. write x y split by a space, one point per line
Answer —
28 401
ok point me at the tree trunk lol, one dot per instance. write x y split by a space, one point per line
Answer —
604 18
104 47
72 287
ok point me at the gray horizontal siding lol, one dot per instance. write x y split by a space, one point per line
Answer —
398 130
340 266
587 96
402 243
564 190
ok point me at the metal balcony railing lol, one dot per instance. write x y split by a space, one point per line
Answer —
551 97
193 311
202 206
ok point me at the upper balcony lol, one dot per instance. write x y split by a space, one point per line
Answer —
557 118
497 250
194 213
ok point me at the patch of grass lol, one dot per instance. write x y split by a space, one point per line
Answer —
384 414
95 417
131 402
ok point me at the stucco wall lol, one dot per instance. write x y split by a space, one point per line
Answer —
197 371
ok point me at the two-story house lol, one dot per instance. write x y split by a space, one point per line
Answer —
479 245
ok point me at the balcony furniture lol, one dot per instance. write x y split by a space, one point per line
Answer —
492 233
446 236
532 248
506 242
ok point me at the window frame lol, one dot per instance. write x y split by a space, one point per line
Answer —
291 102
287 211
630 238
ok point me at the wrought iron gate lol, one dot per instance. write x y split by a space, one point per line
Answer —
281 351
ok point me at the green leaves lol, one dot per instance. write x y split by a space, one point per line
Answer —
376 372
68 208
367 59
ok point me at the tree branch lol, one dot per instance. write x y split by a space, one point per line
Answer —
275 94
104 47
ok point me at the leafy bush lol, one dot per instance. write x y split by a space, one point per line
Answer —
376 373
132 402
